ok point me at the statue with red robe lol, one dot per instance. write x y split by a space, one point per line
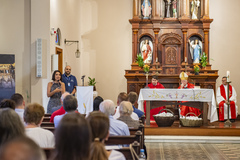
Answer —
154 85
186 85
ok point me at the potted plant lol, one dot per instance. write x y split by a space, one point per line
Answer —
196 69
139 60
203 60
92 82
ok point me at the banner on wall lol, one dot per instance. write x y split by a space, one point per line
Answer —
7 76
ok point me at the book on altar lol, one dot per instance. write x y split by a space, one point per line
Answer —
196 87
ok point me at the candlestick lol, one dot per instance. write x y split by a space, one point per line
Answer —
185 59
228 76
156 59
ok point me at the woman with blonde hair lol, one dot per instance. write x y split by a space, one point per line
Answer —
126 110
99 124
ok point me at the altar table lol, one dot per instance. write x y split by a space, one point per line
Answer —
196 98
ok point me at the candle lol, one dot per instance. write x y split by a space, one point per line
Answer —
157 59
228 76
186 59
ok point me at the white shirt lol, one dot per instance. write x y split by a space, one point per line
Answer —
57 119
116 155
20 113
117 115
44 138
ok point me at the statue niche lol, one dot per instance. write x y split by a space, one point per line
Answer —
170 43
171 8
146 49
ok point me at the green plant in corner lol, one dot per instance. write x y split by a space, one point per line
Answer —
91 81
203 60
139 60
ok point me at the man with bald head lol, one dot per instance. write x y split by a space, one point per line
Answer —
69 80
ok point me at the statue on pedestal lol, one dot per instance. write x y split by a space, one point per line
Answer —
195 50
194 9
167 8
146 9
174 8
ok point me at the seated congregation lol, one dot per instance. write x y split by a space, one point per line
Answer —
109 132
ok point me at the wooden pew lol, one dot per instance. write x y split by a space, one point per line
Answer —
123 140
47 124
125 151
134 130
46 119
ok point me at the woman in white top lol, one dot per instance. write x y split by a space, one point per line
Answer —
99 124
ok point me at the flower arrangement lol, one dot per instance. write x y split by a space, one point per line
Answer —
146 68
196 69
140 60
203 60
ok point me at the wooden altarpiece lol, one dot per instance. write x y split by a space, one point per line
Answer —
170 40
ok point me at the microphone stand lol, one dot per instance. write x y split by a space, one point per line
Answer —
83 80
228 122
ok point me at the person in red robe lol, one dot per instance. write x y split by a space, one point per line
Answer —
222 101
185 85
154 85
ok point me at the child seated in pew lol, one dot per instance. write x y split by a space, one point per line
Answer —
99 124
33 117
125 110
72 138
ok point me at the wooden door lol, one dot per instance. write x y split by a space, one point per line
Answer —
59 52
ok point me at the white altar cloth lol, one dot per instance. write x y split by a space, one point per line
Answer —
197 95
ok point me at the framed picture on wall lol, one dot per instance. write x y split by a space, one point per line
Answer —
7 76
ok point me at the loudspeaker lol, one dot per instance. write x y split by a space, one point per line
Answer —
39 57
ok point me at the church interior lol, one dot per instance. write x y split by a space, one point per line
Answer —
103 39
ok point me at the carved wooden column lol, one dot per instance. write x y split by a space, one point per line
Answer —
206 41
134 47
153 5
159 5
156 9
206 9
184 31
135 9
184 9
139 8
156 31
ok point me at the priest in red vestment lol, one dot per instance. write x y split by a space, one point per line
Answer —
222 101
185 85
155 85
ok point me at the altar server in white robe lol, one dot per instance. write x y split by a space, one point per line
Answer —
222 101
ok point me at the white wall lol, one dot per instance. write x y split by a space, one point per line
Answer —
15 39
224 40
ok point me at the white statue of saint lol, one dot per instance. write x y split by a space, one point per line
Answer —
146 9
194 9
195 50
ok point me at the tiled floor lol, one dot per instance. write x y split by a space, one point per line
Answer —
192 151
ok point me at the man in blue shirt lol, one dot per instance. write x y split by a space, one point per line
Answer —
69 80
117 128
133 97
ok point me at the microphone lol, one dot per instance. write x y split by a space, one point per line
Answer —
83 80
83 77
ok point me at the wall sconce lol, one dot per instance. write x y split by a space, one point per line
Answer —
77 53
